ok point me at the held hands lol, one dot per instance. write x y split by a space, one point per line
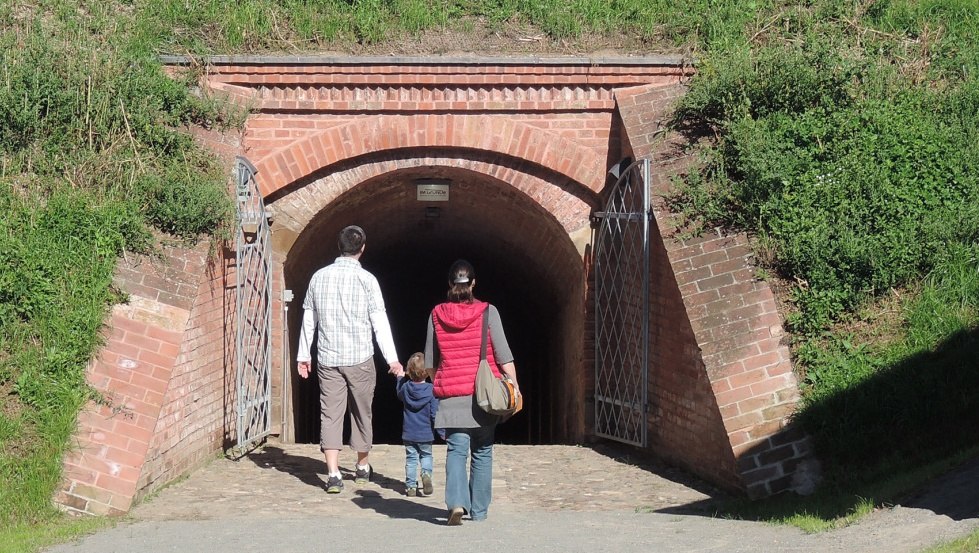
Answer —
396 369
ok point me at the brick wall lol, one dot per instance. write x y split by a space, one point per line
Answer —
299 160
731 337
265 133
168 400
132 373
685 425
196 417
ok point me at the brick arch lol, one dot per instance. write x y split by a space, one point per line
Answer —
580 164
296 209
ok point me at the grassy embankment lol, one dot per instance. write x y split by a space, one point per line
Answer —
92 162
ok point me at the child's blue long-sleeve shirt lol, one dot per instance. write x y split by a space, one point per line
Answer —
420 407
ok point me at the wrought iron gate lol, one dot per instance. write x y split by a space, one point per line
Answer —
253 312
621 266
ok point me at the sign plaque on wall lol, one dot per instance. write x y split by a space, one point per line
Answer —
432 192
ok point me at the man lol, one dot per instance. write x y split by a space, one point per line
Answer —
343 304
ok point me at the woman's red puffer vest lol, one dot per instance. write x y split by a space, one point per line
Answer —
458 330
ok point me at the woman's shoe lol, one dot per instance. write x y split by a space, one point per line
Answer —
455 516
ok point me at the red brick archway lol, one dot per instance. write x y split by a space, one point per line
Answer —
525 144
483 133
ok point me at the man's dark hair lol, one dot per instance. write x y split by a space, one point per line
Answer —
351 239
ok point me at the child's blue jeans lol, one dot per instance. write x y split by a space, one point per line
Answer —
415 452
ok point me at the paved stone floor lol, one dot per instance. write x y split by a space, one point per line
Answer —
288 479
563 499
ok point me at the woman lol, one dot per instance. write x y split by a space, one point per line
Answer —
452 346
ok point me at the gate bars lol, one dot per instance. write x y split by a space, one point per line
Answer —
253 307
622 309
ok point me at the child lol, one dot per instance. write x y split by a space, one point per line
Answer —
419 415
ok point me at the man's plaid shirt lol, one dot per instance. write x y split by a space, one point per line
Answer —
343 303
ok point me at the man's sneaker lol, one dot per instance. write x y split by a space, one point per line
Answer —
455 516
411 492
427 483
334 484
363 476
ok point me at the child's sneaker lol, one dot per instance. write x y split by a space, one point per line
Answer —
427 483
411 492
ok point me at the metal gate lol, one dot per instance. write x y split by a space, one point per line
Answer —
621 268
253 308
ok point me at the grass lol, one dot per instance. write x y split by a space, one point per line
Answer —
867 377
94 160
836 506
968 544
29 538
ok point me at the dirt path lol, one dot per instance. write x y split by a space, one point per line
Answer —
546 498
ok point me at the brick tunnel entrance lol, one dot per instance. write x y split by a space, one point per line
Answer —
526 265
525 147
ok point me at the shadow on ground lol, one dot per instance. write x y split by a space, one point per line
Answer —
906 435
311 471
398 508
641 459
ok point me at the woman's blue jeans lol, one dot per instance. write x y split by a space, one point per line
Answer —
415 451
473 492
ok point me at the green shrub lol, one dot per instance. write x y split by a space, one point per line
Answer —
182 207
844 139
926 385
859 194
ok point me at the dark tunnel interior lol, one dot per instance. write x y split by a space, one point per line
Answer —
410 256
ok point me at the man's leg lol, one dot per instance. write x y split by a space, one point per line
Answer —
361 381
333 405
332 461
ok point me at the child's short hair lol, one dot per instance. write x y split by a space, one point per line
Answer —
416 367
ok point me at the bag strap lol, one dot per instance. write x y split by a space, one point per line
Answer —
482 342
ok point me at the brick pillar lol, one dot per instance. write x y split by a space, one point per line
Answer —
132 373
732 315
196 417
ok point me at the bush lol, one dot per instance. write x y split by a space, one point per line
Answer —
182 207
858 194
847 146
